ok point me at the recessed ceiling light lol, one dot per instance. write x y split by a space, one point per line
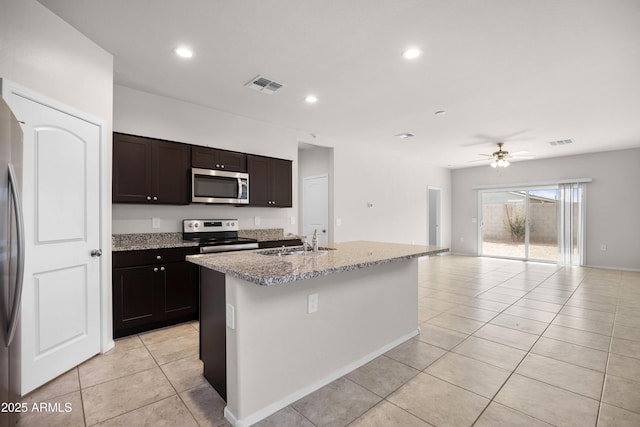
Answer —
184 52
311 99
411 53
440 113
405 135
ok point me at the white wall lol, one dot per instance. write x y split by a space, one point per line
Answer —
612 202
396 184
42 53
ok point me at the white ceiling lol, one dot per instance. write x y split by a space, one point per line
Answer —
520 71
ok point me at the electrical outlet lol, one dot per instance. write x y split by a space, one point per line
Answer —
292 220
603 247
256 220
155 222
230 316
338 222
312 303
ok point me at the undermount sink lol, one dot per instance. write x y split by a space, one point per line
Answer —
293 251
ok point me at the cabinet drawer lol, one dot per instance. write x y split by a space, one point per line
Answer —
151 256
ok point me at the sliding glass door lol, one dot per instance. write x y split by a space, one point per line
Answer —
504 224
537 223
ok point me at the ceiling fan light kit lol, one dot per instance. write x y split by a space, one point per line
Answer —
500 163
500 157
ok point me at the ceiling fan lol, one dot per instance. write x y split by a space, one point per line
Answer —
501 157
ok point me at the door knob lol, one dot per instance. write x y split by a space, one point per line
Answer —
96 252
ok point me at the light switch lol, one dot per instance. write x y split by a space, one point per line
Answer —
256 220
155 222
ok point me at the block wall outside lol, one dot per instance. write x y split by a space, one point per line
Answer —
543 220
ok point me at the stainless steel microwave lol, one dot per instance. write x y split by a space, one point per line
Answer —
215 186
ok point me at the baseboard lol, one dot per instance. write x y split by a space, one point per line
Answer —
289 399
605 267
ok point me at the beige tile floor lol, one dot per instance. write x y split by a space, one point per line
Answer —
502 343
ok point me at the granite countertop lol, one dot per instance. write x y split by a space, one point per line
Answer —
265 270
145 241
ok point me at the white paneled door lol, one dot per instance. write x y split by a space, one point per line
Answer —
60 321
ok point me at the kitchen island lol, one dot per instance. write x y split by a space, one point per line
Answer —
278 324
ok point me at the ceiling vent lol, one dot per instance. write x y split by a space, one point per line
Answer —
561 142
264 85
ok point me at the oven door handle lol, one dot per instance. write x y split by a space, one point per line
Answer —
239 188
228 248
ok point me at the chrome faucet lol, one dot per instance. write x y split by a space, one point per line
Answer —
314 241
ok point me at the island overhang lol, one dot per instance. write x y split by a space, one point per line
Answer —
256 267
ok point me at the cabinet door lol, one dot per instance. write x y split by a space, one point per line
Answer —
232 161
203 157
258 168
131 169
171 169
211 158
135 297
180 287
280 183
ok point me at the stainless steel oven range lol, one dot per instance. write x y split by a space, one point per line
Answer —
216 235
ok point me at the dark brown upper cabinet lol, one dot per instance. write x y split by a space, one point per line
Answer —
269 182
212 158
148 170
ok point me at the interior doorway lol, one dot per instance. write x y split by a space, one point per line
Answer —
433 215
315 207
315 192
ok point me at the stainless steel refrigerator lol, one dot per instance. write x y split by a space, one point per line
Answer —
11 262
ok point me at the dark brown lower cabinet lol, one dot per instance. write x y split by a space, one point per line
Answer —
213 329
152 289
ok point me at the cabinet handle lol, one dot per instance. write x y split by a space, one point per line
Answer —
158 257
155 197
222 166
161 268
155 270
148 197
217 165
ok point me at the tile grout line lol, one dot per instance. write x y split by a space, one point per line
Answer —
165 375
529 352
606 368
157 365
